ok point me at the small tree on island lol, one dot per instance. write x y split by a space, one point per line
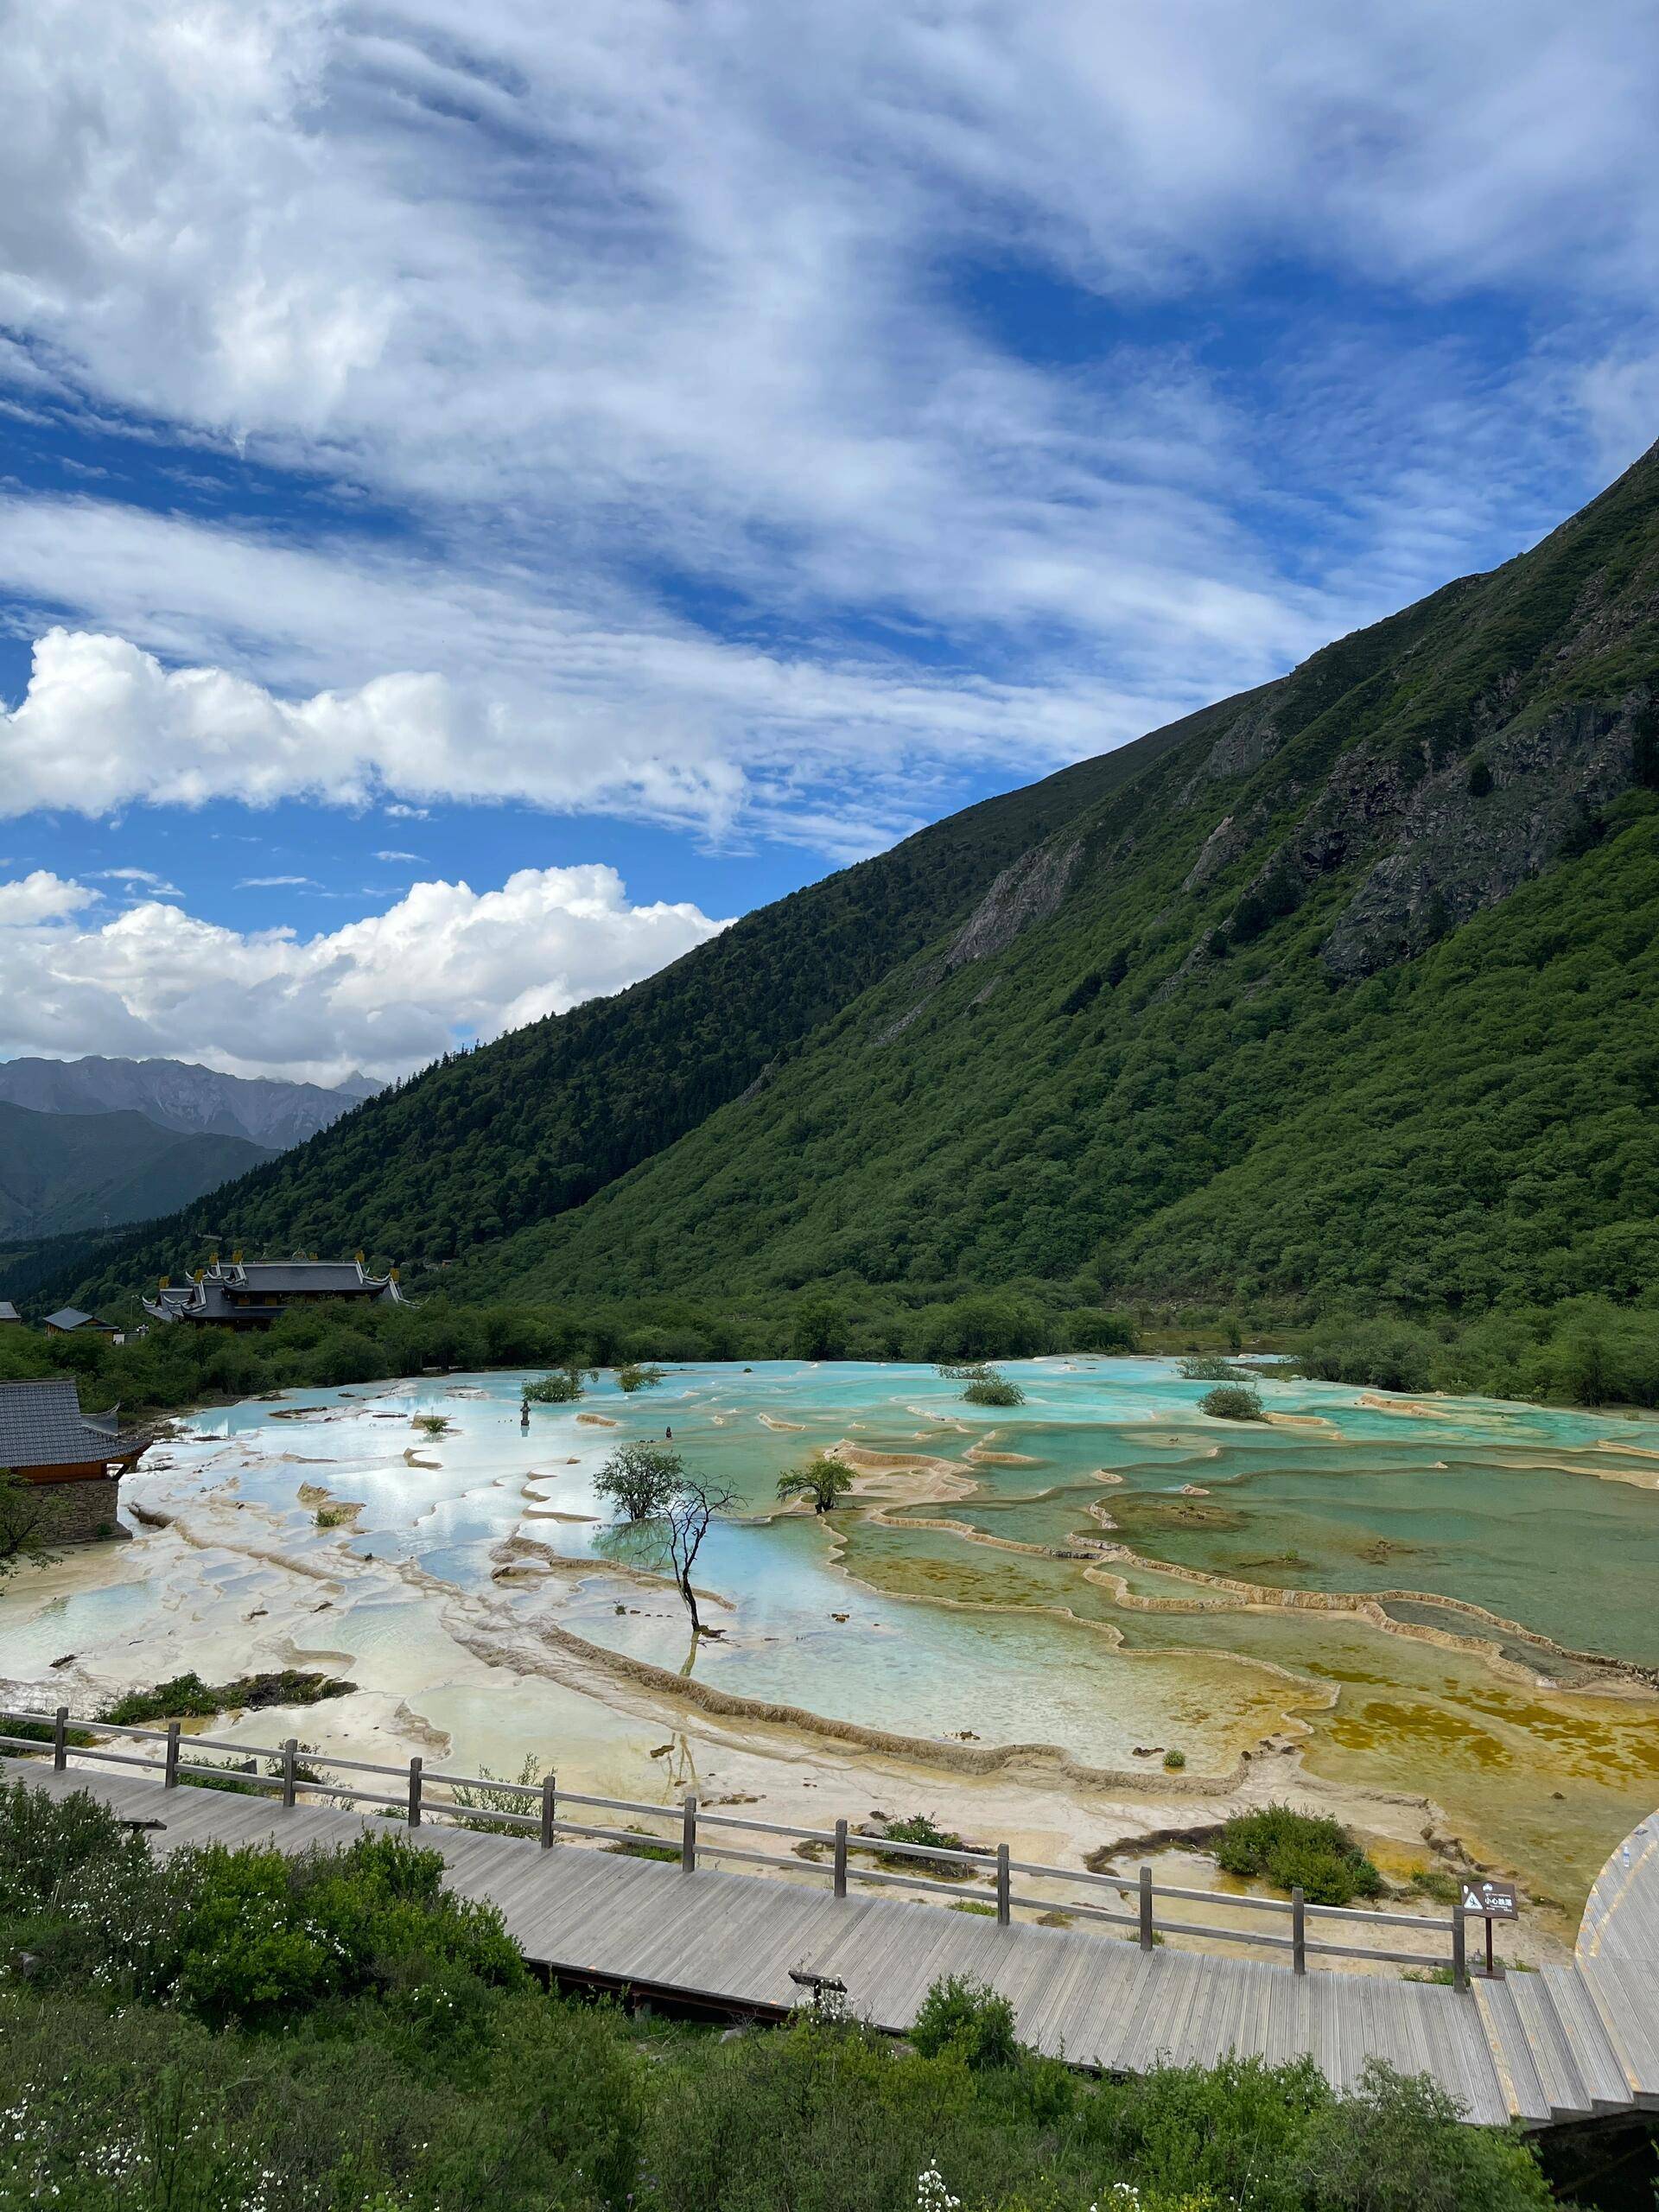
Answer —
1233 1401
560 1389
822 1481
642 1480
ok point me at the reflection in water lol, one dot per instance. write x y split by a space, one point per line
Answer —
921 1621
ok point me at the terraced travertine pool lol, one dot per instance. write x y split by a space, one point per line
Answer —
1451 1598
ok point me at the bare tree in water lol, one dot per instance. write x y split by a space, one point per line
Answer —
685 1520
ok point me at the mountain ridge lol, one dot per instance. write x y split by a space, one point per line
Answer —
181 1095
1011 1049
64 1172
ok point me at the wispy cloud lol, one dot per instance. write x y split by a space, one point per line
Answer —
138 879
398 856
795 411
276 883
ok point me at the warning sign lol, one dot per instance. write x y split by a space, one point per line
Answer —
1492 1900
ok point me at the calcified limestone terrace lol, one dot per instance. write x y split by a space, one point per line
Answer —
1432 1614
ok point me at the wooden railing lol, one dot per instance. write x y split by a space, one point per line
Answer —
986 1879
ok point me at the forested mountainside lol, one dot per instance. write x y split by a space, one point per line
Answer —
1345 988
516 1132
60 1172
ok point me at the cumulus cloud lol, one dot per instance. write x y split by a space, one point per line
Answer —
442 966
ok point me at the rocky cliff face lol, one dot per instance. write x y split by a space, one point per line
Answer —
1467 837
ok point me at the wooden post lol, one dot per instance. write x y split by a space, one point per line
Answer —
841 1859
290 1771
689 1837
547 1812
170 1770
61 1739
1459 1951
415 1793
1004 1903
1146 1908
1298 1930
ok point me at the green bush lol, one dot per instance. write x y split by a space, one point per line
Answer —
1292 1850
560 1389
995 1390
1233 1401
967 2020
631 1376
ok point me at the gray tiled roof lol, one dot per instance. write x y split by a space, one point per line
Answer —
8 1311
278 1277
67 1317
42 1425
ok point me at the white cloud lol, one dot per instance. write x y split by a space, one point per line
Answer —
139 879
104 723
393 857
276 883
686 297
386 994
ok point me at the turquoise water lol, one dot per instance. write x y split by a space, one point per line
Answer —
921 1631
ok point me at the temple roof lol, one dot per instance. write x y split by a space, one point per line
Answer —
42 1425
235 1290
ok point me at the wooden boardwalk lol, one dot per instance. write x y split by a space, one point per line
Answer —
1564 2043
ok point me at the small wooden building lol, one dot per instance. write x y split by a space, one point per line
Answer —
75 1460
69 1320
9 1317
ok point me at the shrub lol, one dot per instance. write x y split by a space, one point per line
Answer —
995 1390
630 1377
1397 2144
921 1828
1174 1761
560 1390
491 1795
1233 1401
965 2019
1204 1367
1293 1850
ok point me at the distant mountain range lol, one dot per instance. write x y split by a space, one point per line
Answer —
177 1095
1343 990
94 1143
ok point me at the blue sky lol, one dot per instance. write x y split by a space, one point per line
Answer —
488 497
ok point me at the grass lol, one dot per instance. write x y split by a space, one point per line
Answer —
186 1697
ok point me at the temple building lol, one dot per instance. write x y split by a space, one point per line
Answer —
252 1294
68 1462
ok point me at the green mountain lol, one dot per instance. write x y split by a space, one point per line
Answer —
1344 988
63 1171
